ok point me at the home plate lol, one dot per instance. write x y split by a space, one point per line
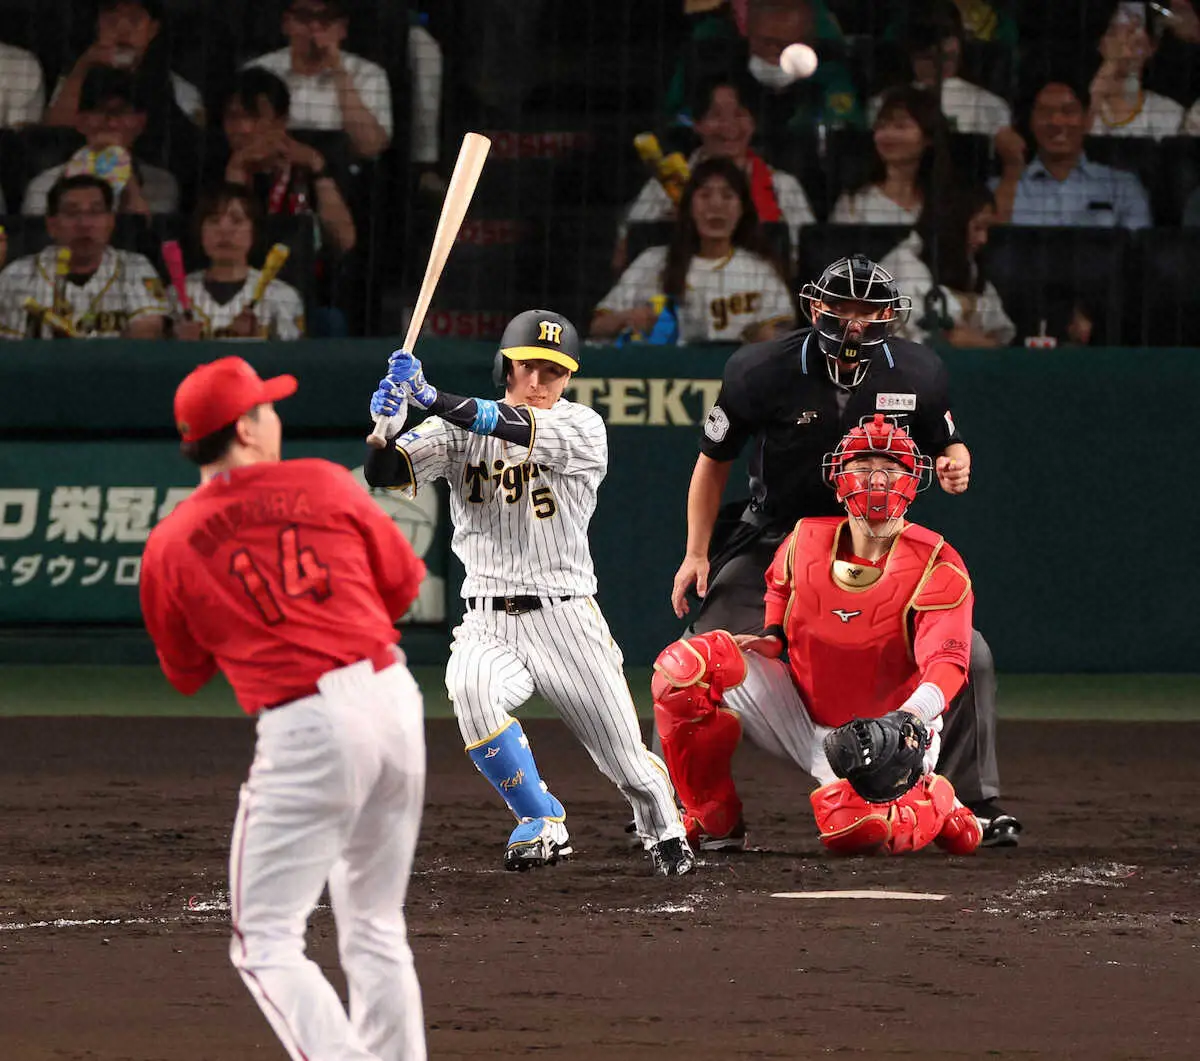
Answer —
860 894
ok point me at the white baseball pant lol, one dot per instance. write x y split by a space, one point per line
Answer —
334 795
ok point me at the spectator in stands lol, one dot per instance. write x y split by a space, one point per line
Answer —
1062 186
111 114
106 294
714 277
331 89
726 128
222 295
933 43
22 88
129 37
748 36
1121 106
286 175
425 76
911 162
963 307
983 22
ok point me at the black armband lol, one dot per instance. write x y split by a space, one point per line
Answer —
482 416
388 466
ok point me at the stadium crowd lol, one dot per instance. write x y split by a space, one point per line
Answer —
1030 172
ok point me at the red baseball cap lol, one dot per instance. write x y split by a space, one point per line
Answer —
214 395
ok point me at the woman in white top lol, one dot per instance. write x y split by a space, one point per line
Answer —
714 274
1120 105
911 157
726 128
965 307
221 297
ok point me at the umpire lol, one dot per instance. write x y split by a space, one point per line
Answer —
796 397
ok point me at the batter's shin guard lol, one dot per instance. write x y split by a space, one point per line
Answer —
506 760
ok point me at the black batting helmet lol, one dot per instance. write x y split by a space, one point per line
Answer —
537 334
851 340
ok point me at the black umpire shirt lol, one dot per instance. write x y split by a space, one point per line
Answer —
779 394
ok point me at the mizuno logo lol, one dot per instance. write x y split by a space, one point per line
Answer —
491 752
806 417
844 615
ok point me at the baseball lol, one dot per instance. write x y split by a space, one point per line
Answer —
799 60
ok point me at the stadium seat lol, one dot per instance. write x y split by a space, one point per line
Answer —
1178 177
1027 264
1168 298
822 244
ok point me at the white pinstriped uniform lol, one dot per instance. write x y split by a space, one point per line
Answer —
520 529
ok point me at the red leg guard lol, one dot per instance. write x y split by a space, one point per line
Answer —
698 736
850 825
961 833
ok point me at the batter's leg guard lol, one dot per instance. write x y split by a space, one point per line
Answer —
699 736
506 760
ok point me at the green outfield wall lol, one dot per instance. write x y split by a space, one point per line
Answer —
1080 527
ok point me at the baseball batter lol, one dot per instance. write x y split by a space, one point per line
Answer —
523 476
107 293
866 617
288 578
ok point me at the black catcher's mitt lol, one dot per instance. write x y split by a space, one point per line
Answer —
882 758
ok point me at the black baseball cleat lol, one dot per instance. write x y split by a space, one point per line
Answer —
672 858
535 843
1000 829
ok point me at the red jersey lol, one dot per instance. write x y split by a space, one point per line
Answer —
275 573
860 651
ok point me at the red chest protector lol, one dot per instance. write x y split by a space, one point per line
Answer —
851 647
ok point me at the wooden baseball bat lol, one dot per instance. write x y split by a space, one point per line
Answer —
277 257
172 255
471 156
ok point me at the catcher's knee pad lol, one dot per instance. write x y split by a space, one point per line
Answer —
961 832
691 676
850 825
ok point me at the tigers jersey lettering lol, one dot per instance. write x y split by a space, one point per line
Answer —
725 298
520 514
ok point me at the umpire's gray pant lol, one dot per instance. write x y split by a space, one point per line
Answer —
735 603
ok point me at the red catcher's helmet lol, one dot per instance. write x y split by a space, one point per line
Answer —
876 496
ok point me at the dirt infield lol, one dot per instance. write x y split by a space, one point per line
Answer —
1084 942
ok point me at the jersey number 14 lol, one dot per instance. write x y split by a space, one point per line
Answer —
301 574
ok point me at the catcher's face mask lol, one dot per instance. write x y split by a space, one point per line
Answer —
877 471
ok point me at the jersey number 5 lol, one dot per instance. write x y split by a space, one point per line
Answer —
301 573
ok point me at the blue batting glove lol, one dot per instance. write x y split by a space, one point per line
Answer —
405 371
388 398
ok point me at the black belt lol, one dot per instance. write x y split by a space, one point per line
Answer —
512 605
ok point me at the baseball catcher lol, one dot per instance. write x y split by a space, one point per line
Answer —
865 640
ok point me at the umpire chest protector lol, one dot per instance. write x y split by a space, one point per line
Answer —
850 636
